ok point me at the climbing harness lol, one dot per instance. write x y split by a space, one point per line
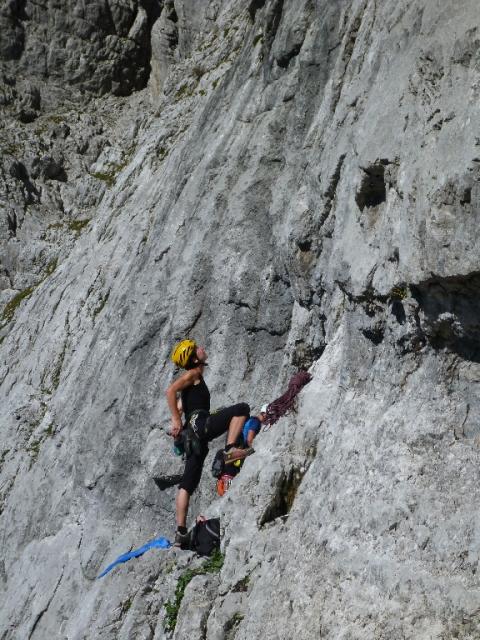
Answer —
192 439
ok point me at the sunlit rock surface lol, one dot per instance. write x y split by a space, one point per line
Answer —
295 184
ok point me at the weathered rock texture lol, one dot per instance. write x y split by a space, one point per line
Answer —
298 185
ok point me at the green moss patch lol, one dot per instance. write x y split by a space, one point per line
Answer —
51 266
107 177
284 496
242 585
57 118
11 149
183 92
231 626
172 607
198 71
400 292
110 176
57 370
78 225
162 153
102 302
34 449
12 306
55 225
35 443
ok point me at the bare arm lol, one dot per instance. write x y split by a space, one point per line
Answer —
250 437
184 381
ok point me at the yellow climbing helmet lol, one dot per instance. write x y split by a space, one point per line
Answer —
182 352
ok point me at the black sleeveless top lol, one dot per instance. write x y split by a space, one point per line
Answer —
195 397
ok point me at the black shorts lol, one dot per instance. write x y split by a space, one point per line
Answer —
209 428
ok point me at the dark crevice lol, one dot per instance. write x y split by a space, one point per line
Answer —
110 406
310 299
133 77
45 609
350 41
13 43
5 272
148 337
395 256
19 172
374 334
161 255
284 497
372 191
239 304
273 19
172 34
242 585
271 332
370 300
284 60
283 278
398 311
172 14
192 326
305 355
331 190
107 20
231 626
18 9
304 245
253 7
467 197
12 223
451 313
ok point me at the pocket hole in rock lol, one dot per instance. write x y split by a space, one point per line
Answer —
372 191
284 497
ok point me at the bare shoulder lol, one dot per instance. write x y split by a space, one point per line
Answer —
185 380
191 376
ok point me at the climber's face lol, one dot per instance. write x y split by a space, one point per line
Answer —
201 354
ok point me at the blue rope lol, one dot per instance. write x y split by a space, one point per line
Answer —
159 543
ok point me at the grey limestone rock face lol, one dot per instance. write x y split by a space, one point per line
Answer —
96 46
296 187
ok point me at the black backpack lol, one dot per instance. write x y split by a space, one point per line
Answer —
205 537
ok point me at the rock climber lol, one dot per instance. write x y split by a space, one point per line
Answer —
228 471
252 426
200 425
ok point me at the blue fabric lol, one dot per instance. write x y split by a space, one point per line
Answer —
160 543
252 424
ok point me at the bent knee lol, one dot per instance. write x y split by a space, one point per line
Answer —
242 410
189 485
